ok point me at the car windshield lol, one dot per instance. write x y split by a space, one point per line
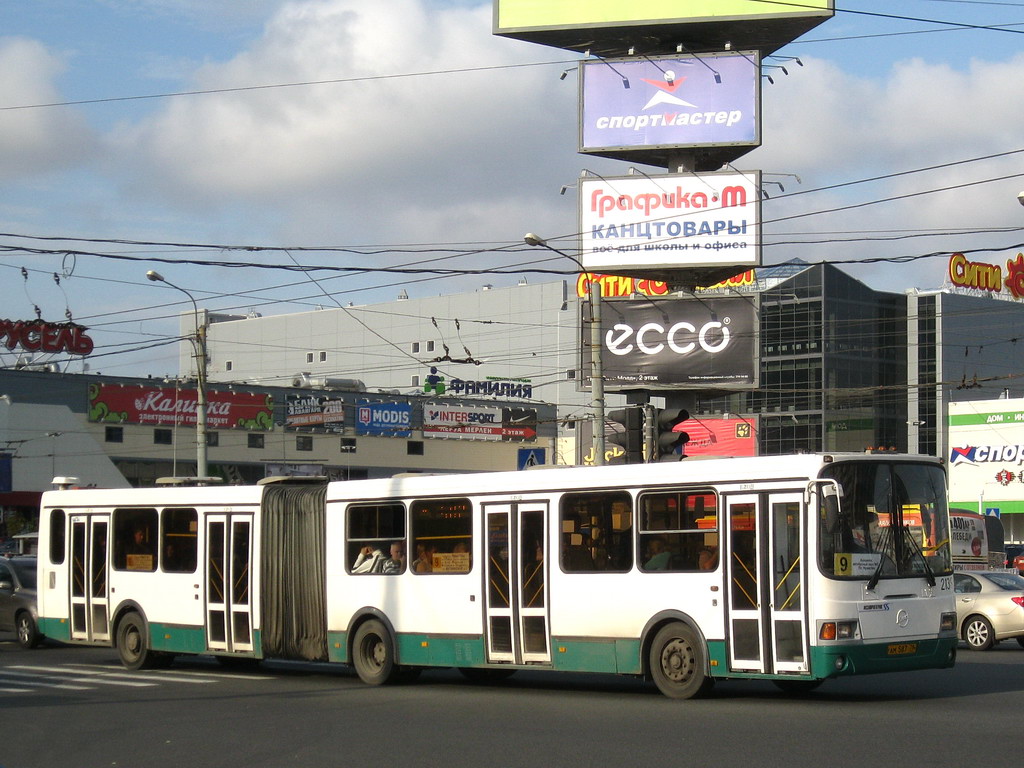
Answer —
1010 581
890 521
26 572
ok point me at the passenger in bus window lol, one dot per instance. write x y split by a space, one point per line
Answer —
395 563
424 562
658 555
370 560
138 546
707 558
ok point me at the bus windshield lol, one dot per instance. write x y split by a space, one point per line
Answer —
884 520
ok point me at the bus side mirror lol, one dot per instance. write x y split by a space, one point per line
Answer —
830 502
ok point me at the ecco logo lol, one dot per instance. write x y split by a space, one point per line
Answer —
652 338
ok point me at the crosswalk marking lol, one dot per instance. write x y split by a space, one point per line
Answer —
33 672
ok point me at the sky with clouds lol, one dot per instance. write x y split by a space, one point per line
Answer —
402 132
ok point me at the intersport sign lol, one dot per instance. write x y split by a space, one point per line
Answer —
678 344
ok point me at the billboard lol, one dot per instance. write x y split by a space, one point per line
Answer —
645 109
471 422
656 226
158 406
719 437
677 344
314 413
986 455
384 419
608 26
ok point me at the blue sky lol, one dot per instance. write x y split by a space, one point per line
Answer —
466 147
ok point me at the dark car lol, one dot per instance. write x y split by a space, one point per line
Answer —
18 600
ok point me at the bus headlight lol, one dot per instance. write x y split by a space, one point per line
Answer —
838 630
948 622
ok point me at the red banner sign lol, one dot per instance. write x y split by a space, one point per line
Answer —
167 407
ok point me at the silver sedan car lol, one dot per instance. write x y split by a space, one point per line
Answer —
989 607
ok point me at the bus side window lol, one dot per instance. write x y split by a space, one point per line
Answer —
442 533
678 531
374 528
597 532
57 536
179 541
135 539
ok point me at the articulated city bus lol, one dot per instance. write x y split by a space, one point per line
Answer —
794 569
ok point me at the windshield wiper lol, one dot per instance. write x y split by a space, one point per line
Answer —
883 541
929 575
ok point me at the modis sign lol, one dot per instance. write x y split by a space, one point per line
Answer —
980 276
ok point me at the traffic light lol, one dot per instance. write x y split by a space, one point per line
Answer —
666 439
632 437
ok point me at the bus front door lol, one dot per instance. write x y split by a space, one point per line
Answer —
767 594
90 597
229 582
516 589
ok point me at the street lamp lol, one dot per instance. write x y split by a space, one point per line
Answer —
596 367
200 346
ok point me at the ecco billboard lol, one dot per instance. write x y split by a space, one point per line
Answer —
677 344
638 109
643 225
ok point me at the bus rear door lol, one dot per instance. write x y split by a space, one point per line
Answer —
517 593
90 598
229 582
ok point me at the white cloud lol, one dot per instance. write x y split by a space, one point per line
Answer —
39 140
460 144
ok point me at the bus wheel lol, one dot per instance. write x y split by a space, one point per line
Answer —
678 663
28 632
132 645
373 654
978 633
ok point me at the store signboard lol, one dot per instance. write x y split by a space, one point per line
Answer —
314 413
634 106
640 224
678 344
164 406
462 422
986 455
383 419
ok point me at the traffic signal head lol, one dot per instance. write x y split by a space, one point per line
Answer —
667 439
632 436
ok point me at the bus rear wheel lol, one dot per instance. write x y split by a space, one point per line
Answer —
373 654
132 644
678 663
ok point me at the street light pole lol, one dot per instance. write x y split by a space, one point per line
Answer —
596 366
200 348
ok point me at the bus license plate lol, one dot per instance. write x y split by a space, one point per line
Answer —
902 649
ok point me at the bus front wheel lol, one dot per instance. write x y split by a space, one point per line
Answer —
373 654
132 644
678 663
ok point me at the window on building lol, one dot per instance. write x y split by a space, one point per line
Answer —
114 434
303 442
178 542
255 440
442 536
678 531
430 346
415 347
414 448
309 357
135 539
597 532
163 437
348 445
375 532
213 439
414 381
228 365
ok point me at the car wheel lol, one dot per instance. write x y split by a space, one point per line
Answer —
133 645
373 654
678 663
28 632
978 633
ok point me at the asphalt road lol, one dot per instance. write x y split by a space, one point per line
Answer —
70 707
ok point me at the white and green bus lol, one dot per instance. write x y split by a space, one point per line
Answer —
793 569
